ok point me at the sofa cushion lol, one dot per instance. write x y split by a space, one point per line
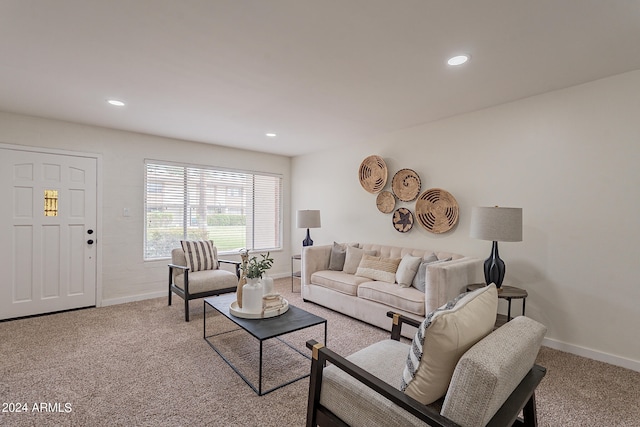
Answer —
353 258
338 281
489 372
420 281
443 337
378 268
200 254
407 270
406 299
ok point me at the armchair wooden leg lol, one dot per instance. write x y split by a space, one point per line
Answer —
529 415
170 277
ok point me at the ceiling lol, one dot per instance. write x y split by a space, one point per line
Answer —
319 74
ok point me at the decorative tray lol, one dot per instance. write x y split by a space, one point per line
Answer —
237 311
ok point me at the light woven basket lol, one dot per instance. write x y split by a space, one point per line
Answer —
406 185
386 202
437 210
373 174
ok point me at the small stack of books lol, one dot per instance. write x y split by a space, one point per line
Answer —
273 301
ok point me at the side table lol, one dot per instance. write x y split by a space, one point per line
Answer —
508 293
298 274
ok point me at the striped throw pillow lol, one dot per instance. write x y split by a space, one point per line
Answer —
200 254
378 268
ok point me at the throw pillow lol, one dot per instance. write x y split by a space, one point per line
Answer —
337 257
419 282
442 338
353 257
378 268
407 270
200 254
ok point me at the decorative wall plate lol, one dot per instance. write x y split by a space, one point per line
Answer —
402 220
406 185
373 174
386 201
437 210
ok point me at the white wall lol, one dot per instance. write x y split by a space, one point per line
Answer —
569 158
125 276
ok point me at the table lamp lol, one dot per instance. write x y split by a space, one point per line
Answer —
498 225
308 219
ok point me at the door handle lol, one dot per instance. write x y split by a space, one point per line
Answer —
90 242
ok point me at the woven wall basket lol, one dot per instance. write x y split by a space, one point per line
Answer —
373 174
386 202
406 185
437 210
402 220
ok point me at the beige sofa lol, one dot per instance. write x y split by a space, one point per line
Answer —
370 300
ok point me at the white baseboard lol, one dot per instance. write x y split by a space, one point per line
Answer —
611 359
158 294
132 298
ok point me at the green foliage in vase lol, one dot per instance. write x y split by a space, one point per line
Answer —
254 268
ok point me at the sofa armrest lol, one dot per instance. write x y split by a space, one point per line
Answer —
446 280
314 258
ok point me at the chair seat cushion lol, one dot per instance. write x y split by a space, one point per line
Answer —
208 280
357 404
407 299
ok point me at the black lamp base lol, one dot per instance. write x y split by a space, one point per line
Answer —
307 241
494 268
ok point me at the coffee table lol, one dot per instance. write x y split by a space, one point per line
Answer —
262 329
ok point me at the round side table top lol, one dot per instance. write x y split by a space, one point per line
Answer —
506 292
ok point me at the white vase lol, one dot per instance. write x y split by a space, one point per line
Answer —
252 296
267 284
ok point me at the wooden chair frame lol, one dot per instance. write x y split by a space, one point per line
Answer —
521 399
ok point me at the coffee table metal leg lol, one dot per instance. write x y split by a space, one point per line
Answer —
260 372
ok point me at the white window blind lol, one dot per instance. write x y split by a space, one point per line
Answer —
235 209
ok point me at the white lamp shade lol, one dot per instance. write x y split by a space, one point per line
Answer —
496 224
308 219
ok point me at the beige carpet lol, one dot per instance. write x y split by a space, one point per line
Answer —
140 364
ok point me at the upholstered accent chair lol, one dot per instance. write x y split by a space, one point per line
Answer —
492 382
196 273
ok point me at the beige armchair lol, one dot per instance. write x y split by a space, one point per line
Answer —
427 383
190 285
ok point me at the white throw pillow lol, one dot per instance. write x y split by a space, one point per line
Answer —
407 270
200 254
442 338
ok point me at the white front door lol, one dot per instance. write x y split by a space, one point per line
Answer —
48 232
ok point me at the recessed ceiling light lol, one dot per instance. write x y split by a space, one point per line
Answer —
271 135
458 59
115 102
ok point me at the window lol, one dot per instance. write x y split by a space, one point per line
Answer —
235 209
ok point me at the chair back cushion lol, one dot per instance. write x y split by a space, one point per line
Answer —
442 338
200 254
489 372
